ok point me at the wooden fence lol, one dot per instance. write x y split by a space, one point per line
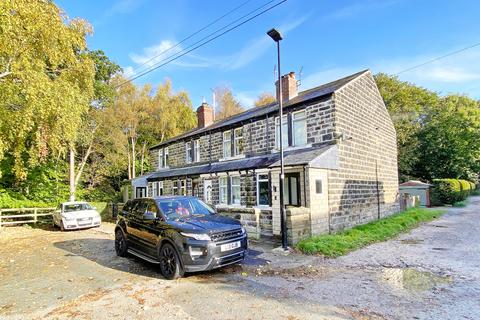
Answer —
16 216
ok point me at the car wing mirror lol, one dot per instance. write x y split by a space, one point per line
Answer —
150 215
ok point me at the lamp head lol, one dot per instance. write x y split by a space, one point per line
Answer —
275 35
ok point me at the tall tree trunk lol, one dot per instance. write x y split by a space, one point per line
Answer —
82 164
71 174
133 158
144 145
129 164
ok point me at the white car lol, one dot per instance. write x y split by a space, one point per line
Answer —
76 215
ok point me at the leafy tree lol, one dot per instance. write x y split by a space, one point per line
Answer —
46 82
227 104
264 99
408 106
437 137
450 140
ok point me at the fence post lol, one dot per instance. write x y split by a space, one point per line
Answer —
35 215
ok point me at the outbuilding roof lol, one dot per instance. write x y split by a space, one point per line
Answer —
415 183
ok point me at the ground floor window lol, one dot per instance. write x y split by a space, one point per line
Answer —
291 189
223 190
140 192
175 187
263 190
236 190
160 188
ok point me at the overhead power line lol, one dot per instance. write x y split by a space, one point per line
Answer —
439 58
194 46
192 35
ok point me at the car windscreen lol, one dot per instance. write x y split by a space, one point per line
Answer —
183 207
76 207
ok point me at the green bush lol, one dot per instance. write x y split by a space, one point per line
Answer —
473 187
10 199
450 191
447 191
466 188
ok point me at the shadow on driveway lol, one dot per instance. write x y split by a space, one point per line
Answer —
102 251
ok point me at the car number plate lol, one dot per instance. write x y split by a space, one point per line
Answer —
230 246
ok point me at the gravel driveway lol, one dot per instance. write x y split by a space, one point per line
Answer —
429 273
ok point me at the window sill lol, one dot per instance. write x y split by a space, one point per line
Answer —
226 206
163 168
265 207
290 148
240 156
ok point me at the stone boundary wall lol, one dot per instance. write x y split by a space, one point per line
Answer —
298 224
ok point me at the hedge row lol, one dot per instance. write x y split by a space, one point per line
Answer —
449 191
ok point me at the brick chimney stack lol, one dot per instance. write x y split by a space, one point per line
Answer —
289 87
205 115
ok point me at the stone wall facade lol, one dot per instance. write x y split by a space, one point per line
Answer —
368 157
355 118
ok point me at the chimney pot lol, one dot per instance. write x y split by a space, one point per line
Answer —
205 115
289 87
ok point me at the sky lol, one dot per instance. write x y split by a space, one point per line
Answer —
324 39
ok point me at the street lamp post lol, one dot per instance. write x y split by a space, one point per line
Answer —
277 37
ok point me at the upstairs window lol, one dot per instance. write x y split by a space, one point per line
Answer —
238 141
227 144
163 158
188 152
299 124
196 150
284 131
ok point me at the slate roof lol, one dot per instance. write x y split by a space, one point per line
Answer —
291 158
303 96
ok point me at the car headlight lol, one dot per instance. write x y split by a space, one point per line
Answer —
243 230
69 218
196 236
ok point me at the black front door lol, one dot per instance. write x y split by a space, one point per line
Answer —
291 189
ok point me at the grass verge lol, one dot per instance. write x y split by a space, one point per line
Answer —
102 208
334 245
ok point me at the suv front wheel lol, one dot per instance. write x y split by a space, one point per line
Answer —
170 265
120 244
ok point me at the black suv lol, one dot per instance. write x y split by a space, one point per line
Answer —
181 233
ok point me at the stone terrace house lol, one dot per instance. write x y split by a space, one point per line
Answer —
340 160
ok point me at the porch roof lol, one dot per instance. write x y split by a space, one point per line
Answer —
319 157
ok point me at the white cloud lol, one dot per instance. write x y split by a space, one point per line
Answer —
128 71
122 7
246 98
164 52
359 8
459 73
257 47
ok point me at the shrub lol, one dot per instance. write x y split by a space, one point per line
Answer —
473 187
446 191
465 187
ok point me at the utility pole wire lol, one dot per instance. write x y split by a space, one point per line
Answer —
185 51
439 58
191 35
